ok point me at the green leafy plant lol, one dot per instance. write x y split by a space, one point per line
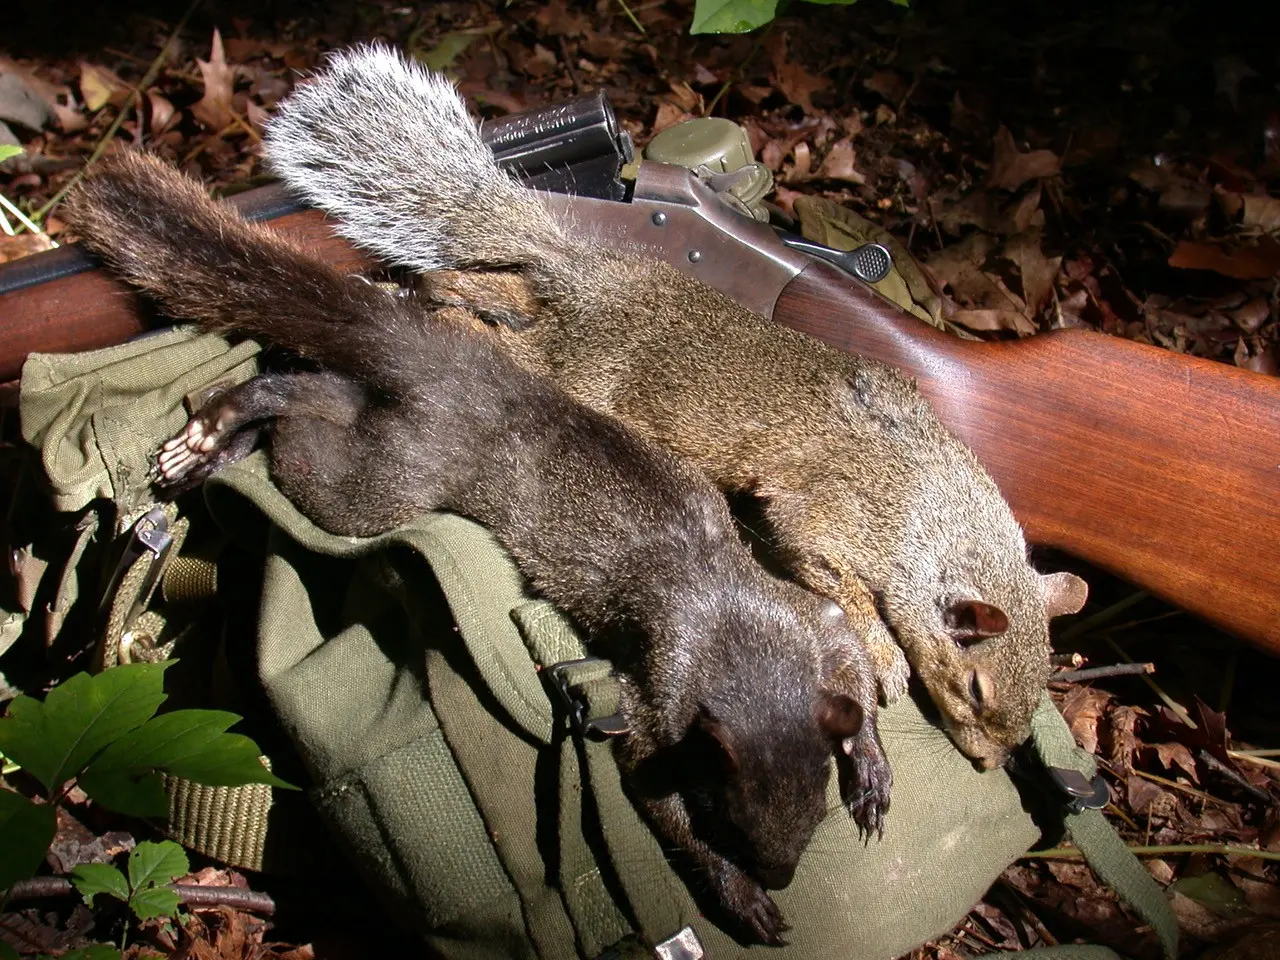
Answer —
101 733
743 16
8 150
151 866
96 951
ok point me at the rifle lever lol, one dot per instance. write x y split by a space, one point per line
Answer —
870 262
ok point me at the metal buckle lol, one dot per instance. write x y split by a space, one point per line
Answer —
558 680
149 534
1080 794
684 945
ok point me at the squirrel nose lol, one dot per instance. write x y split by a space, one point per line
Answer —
774 878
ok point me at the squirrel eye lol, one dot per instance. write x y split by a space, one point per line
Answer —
975 689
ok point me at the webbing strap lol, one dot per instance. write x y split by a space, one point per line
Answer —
588 691
1067 951
1101 846
226 823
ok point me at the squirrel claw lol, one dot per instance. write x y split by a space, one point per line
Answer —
866 782
748 902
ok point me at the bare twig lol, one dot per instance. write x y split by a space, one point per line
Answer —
1213 763
192 895
632 17
1260 757
1174 785
1097 673
1102 616
21 218
568 65
1169 702
1228 849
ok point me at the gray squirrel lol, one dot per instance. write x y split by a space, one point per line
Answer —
722 666
869 499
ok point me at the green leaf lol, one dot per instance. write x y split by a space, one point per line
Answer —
731 16
451 46
152 863
8 150
1215 892
156 902
26 830
135 795
92 879
54 740
186 743
7 952
99 951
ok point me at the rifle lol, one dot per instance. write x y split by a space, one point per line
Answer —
1160 468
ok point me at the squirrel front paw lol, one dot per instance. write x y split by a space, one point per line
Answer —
866 782
748 903
890 666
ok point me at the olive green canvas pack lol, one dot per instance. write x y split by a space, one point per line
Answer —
407 671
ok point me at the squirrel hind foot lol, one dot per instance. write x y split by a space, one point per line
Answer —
225 429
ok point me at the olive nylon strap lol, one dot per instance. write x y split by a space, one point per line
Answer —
1101 846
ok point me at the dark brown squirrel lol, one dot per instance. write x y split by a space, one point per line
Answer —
721 665
871 500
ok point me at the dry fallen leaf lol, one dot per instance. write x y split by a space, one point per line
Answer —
991 320
163 115
1010 168
668 115
1147 797
1250 317
1124 739
556 19
23 244
1082 708
688 100
888 84
1261 212
100 86
838 163
1038 271
1256 262
793 81
214 108
57 98
1176 755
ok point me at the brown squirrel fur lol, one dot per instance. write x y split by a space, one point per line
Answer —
871 501
722 666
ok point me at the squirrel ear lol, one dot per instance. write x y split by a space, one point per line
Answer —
839 715
972 620
1063 593
711 741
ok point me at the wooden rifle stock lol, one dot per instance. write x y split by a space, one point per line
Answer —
57 302
1161 468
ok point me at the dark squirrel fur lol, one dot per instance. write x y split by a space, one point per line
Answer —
870 500
731 729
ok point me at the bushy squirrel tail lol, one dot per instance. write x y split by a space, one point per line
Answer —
387 148
160 231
